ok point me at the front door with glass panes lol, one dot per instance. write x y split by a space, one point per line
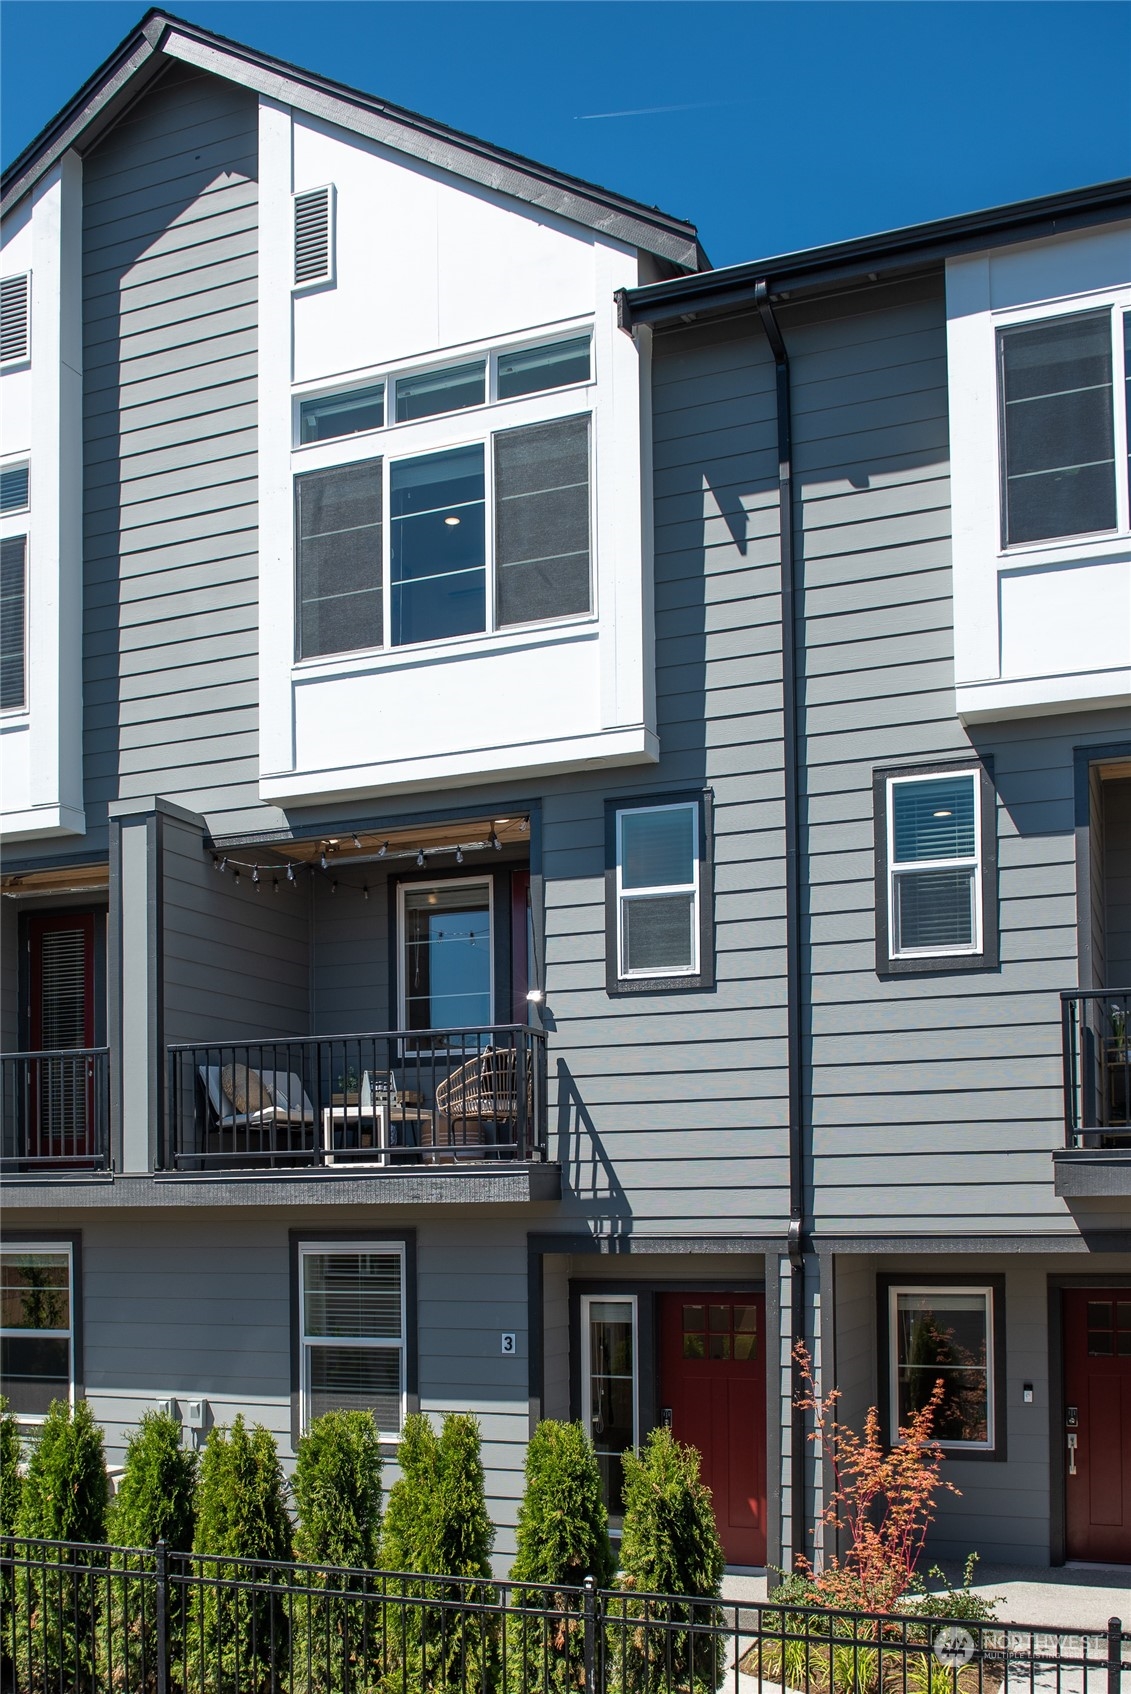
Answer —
61 1021
713 1397
1097 1424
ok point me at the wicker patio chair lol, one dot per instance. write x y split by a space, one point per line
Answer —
484 1090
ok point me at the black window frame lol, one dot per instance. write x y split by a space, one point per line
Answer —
331 1238
910 1280
616 985
27 1238
935 964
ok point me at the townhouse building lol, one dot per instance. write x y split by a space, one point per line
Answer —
566 814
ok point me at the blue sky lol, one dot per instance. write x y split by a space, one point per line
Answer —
779 125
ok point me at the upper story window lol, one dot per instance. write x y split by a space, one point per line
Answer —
13 623
489 532
935 869
13 489
658 921
1058 423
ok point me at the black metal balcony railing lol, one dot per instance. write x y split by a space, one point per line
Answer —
392 1098
1097 1067
55 1110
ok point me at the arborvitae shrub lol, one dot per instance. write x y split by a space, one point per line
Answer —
563 1537
669 1545
154 1503
240 1641
63 1499
336 1489
437 1525
11 1482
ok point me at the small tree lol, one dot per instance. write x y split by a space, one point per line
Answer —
563 1537
11 1482
154 1503
437 1526
63 1499
239 1640
336 1488
669 1545
882 1499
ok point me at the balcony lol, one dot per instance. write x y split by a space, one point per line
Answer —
361 1104
55 1111
1096 1160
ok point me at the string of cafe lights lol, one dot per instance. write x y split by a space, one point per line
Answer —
282 876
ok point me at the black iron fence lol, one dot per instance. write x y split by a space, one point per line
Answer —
103 1619
55 1109
1097 1067
389 1098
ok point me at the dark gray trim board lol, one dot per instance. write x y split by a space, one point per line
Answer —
1057 1283
455 1185
911 1277
311 1236
115 991
1081 1173
170 38
73 1237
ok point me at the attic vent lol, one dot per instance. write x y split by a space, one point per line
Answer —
314 236
15 319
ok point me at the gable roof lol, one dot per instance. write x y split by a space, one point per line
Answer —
161 38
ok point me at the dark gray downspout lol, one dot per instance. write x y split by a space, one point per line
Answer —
795 1238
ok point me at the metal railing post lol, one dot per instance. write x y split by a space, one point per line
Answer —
162 1618
1114 1655
589 1606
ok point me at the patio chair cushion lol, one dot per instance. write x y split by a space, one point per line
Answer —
245 1088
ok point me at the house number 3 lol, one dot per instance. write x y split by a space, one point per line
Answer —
508 1343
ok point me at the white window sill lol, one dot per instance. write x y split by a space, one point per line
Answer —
372 660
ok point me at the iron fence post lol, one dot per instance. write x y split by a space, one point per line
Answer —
1114 1654
162 1618
589 1605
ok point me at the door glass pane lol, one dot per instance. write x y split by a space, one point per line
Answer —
447 956
1057 427
536 368
612 1366
542 521
63 1007
338 519
438 568
934 909
944 1336
441 391
933 819
342 414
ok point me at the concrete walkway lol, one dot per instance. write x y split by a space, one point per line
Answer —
1080 1598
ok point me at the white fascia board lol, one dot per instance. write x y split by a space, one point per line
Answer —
633 746
1033 697
42 767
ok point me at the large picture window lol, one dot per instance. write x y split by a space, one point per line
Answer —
352 1331
943 1334
658 888
935 868
37 1334
447 975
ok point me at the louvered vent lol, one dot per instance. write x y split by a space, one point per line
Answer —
314 215
15 319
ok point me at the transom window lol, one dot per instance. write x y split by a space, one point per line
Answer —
353 1331
36 1328
943 1335
1057 418
934 867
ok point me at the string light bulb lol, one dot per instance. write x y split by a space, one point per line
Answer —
493 841
223 865
459 855
365 890
325 863
420 856
290 873
255 876
274 885
383 849
356 838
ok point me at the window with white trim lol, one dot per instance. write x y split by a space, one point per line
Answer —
610 1387
935 868
37 1342
352 1331
14 481
489 530
943 1334
659 894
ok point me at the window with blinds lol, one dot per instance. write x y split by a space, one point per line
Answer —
542 522
934 864
352 1338
15 319
13 623
338 549
13 489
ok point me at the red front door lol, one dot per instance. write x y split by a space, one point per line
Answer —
713 1382
1097 1407
61 1019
